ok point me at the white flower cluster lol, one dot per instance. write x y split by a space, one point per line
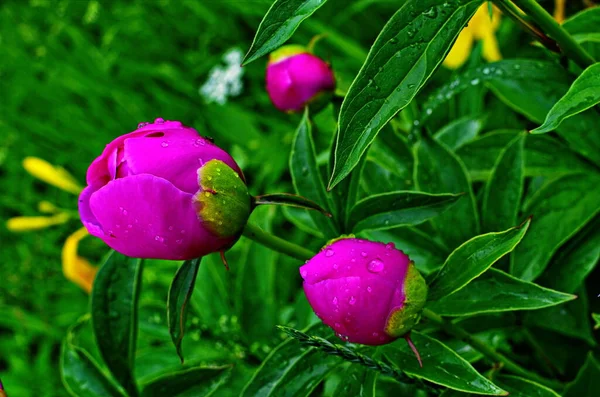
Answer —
224 81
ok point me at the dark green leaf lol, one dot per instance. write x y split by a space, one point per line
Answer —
358 381
178 299
559 209
496 291
583 22
459 132
520 387
307 177
302 220
200 381
80 374
114 315
394 209
441 365
279 24
596 318
582 95
212 291
290 200
404 55
503 191
473 258
480 155
438 170
587 380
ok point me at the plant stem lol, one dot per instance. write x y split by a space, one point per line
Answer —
458 332
255 233
565 41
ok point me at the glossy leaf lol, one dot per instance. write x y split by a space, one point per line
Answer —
520 387
496 291
358 382
587 380
114 315
472 259
404 55
503 191
306 175
212 291
290 200
560 209
200 381
394 209
582 95
438 170
459 132
178 300
279 24
441 365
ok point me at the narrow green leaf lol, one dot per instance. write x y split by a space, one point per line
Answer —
596 318
200 381
520 387
180 292
114 315
503 191
358 382
290 200
395 209
582 95
302 220
459 132
212 291
80 374
438 170
473 258
496 291
407 51
560 209
306 175
279 24
587 380
441 365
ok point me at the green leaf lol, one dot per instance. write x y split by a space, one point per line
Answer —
302 220
438 170
306 175
177 302
114 299
480 155
575 260
596 318
441 365
520 387
583 94
473 258
503 191
587 380
459 132
560 209
496 291
80 375
287 361
212 292
358 381
290 200
279 24
407 51
394 209
202 381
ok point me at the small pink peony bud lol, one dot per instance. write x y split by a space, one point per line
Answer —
296 77
163 191
368 292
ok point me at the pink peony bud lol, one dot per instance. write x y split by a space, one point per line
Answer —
368 292
295 77
165 192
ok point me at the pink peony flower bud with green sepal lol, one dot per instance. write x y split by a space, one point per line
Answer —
164 192
367 292
295 78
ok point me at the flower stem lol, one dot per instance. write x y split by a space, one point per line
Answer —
458 332
566 42
255 233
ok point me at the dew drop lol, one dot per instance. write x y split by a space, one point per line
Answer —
335 300
390 246
363 254
369 289
179 241
159 121
182 231
335 266
303 273
329 252
164 144
352 300
199 142
159 239
474 81
170 227
376 266
337 325
143 124
375 334
130 226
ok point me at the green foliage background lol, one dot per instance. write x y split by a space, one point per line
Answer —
75 74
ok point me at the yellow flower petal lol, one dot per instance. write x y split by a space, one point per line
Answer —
459 53
29 223
47 207
559 10
75 268
53 175
482 24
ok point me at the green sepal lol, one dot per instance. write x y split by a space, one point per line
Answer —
402 320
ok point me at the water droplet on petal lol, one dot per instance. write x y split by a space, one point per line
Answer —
337 325
375 334
303 273
375 266
164 144
390 246
335 300
335 266
159 239
329 252
369 289
179 241
143 124
352 300
159 121
363 254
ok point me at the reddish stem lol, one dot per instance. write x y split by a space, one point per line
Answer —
414 349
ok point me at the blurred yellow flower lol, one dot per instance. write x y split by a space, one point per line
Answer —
559 10
75 268
481 27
